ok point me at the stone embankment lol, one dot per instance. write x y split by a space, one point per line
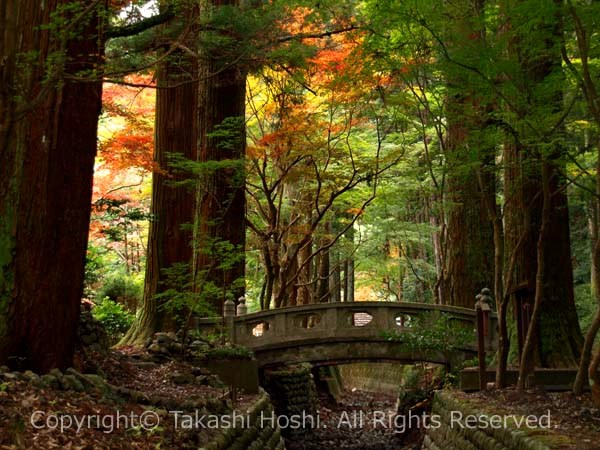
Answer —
459 424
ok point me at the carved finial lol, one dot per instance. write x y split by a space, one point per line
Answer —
229 308
242 308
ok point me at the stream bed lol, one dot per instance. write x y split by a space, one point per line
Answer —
358 421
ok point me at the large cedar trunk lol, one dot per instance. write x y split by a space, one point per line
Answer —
173 200
558 325
469 255
558 335
47 151
221 197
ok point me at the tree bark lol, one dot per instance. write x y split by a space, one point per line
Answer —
470 240
589 88
221 194
172 207
581 378
594 377
469 256
527 363
558 327
47 150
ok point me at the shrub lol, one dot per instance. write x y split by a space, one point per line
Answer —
431 332
115 318
123 289
229 352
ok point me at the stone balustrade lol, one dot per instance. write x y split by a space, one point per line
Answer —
326 324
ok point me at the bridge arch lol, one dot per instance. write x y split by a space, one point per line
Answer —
344 332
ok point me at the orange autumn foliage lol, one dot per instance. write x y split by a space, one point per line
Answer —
131 144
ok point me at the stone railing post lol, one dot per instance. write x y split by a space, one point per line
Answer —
228 319
483 309
242 308
486 302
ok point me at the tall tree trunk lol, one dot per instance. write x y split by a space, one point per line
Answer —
469 263
47 151
527 362
558 327
305 290
581 378
590 90
323 293
172 207
335 281
469 247
595 377
349 269
221 230
436 242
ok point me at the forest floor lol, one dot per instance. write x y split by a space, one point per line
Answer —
134 410
130 405
574 420
355 422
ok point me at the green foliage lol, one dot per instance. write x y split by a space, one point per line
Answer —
122 288
113 316
229 352
586 304
94 265
180 295
118 216
432 332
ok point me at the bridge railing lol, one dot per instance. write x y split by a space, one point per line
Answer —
348 321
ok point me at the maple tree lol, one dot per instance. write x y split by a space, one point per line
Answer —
127 126
296 140
310 137
120 202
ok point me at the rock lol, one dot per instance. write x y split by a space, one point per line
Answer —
201 371
163 338
214 381
38 383
32 377
56 373
50 381
10 376
176 347
91 332
163 413
145 364
72 383
154 348
97 382
182 378
72 371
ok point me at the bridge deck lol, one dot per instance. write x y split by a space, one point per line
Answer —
353 330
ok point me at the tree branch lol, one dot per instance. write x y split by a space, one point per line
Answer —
141 26
321 35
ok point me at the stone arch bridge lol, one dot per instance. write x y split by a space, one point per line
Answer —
345 332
